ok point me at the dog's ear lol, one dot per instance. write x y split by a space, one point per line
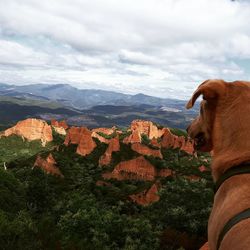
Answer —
210 90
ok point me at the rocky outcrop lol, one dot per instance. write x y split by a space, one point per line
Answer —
114 146
59 124
146 127
170 140
147 196
165 173
154 142
141 127
137 169
96 133
60 130
187 145
31 129
82 137
106 131
74 135
202 168
103 184
145 150
100 138
48 165
134 137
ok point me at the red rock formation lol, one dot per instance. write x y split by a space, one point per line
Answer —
168 139
165 173
86 144
137 169
61 124
100 138
135 137
202 168
154 142
103 184
205 247
173 141
146 127
106 131
114 146
187 145
60 130
145 150
48 165
31 129
147 196
140 127
73 136
82 137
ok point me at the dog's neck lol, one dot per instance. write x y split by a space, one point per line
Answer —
231 140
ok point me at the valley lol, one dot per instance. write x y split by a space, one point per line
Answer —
136 187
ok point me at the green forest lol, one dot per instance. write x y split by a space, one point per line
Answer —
42 211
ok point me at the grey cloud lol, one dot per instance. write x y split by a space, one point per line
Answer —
132 46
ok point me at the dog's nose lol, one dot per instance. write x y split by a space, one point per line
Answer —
188 128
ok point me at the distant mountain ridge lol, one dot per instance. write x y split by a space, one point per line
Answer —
83 98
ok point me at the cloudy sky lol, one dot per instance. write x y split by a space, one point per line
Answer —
158 47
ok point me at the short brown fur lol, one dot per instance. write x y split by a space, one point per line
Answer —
225 123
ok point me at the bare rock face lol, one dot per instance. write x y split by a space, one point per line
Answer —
202 168
173 141
145 127
147 196
31 129
168 139
82 137
136 169
114 146
61 124
165 173
60 130
100 138
145 150
48 165
154 142
103 184
187 145
135 137
106 131
73 136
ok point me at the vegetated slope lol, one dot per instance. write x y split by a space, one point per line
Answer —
13 109
85 210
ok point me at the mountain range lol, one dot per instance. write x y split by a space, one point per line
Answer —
84 98
88 107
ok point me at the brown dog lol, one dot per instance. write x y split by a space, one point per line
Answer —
223 126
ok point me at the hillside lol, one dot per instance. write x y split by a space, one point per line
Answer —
143 187
13 109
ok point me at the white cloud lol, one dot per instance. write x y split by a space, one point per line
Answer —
159 47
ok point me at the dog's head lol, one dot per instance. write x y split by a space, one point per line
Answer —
201 129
